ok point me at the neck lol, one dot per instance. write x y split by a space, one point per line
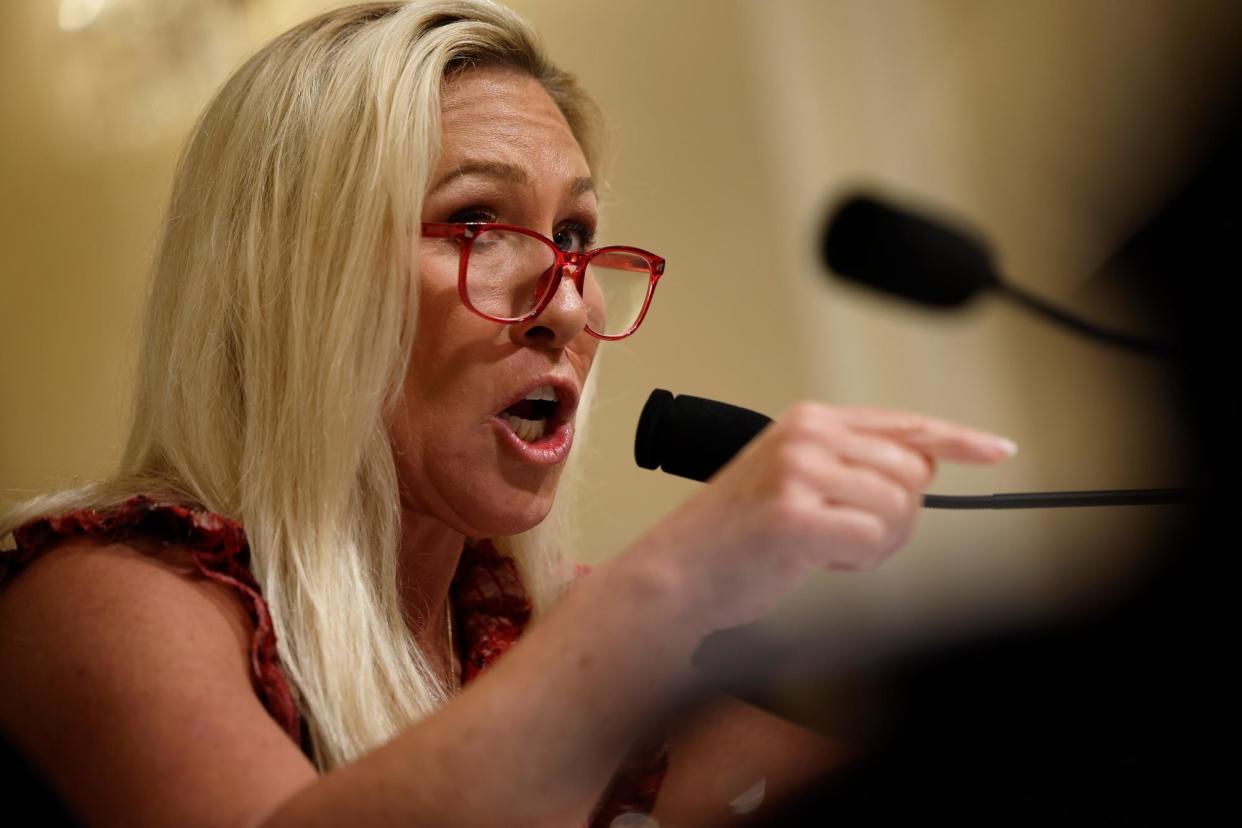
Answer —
430 552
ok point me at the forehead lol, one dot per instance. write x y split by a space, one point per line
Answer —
506 116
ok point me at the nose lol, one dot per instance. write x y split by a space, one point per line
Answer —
564 318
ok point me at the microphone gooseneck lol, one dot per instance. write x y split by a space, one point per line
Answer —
694 437
931 262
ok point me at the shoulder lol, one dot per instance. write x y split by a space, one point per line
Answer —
125 582
126 678
189 540
116 598
209 536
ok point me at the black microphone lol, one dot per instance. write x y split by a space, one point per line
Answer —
933 263
898 252
694 437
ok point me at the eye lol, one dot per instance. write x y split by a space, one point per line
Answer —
473 215
574 237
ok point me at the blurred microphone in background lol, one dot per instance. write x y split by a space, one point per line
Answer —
932 263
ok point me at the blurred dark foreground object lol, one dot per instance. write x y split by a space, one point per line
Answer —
1125 716
28 798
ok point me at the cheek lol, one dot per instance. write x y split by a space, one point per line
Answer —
587 350
596 308
447 348
437 297
450 342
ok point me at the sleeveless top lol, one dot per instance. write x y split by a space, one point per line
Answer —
487 595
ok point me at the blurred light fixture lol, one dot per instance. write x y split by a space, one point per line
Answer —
78 14
134 74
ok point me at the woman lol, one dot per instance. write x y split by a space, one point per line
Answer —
335 456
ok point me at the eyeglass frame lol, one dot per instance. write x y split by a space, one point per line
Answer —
466 233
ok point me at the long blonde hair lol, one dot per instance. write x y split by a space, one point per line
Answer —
279 330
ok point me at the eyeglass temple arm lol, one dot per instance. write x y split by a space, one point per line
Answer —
625 261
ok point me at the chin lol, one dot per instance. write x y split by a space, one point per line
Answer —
512 514
509 524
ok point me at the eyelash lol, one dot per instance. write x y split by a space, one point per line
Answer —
472 215
482 215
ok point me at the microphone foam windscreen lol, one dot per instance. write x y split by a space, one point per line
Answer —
692 436
905 254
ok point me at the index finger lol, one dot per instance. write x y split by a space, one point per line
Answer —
940 439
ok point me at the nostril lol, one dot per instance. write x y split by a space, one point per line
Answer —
540 332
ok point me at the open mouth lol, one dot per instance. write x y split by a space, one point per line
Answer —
532 418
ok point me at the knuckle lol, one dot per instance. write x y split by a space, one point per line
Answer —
891 419
876 535
901 501
804 417
924 469
893 454
802 409
869 532
786 513
859 560
889 496
796 462
784 481
789 457
907 421
913 467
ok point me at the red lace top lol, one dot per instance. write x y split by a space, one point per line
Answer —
491 605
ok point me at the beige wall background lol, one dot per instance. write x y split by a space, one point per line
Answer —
1053 126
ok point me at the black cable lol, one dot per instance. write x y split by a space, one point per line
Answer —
1058 500
1143 345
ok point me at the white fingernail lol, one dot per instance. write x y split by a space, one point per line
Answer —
1008 446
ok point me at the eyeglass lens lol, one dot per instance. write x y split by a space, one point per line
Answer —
509 272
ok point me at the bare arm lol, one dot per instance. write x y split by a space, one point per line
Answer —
732 759
127 682
534 740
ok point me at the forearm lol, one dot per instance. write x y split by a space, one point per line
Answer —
730 758
535 739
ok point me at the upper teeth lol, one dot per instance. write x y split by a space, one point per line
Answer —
543 392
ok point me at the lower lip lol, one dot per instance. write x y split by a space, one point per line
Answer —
547 451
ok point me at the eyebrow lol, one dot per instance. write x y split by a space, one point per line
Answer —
509 173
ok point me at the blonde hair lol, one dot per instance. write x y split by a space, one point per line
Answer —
279 329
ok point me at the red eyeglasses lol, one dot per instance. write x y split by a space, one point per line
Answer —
510 274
